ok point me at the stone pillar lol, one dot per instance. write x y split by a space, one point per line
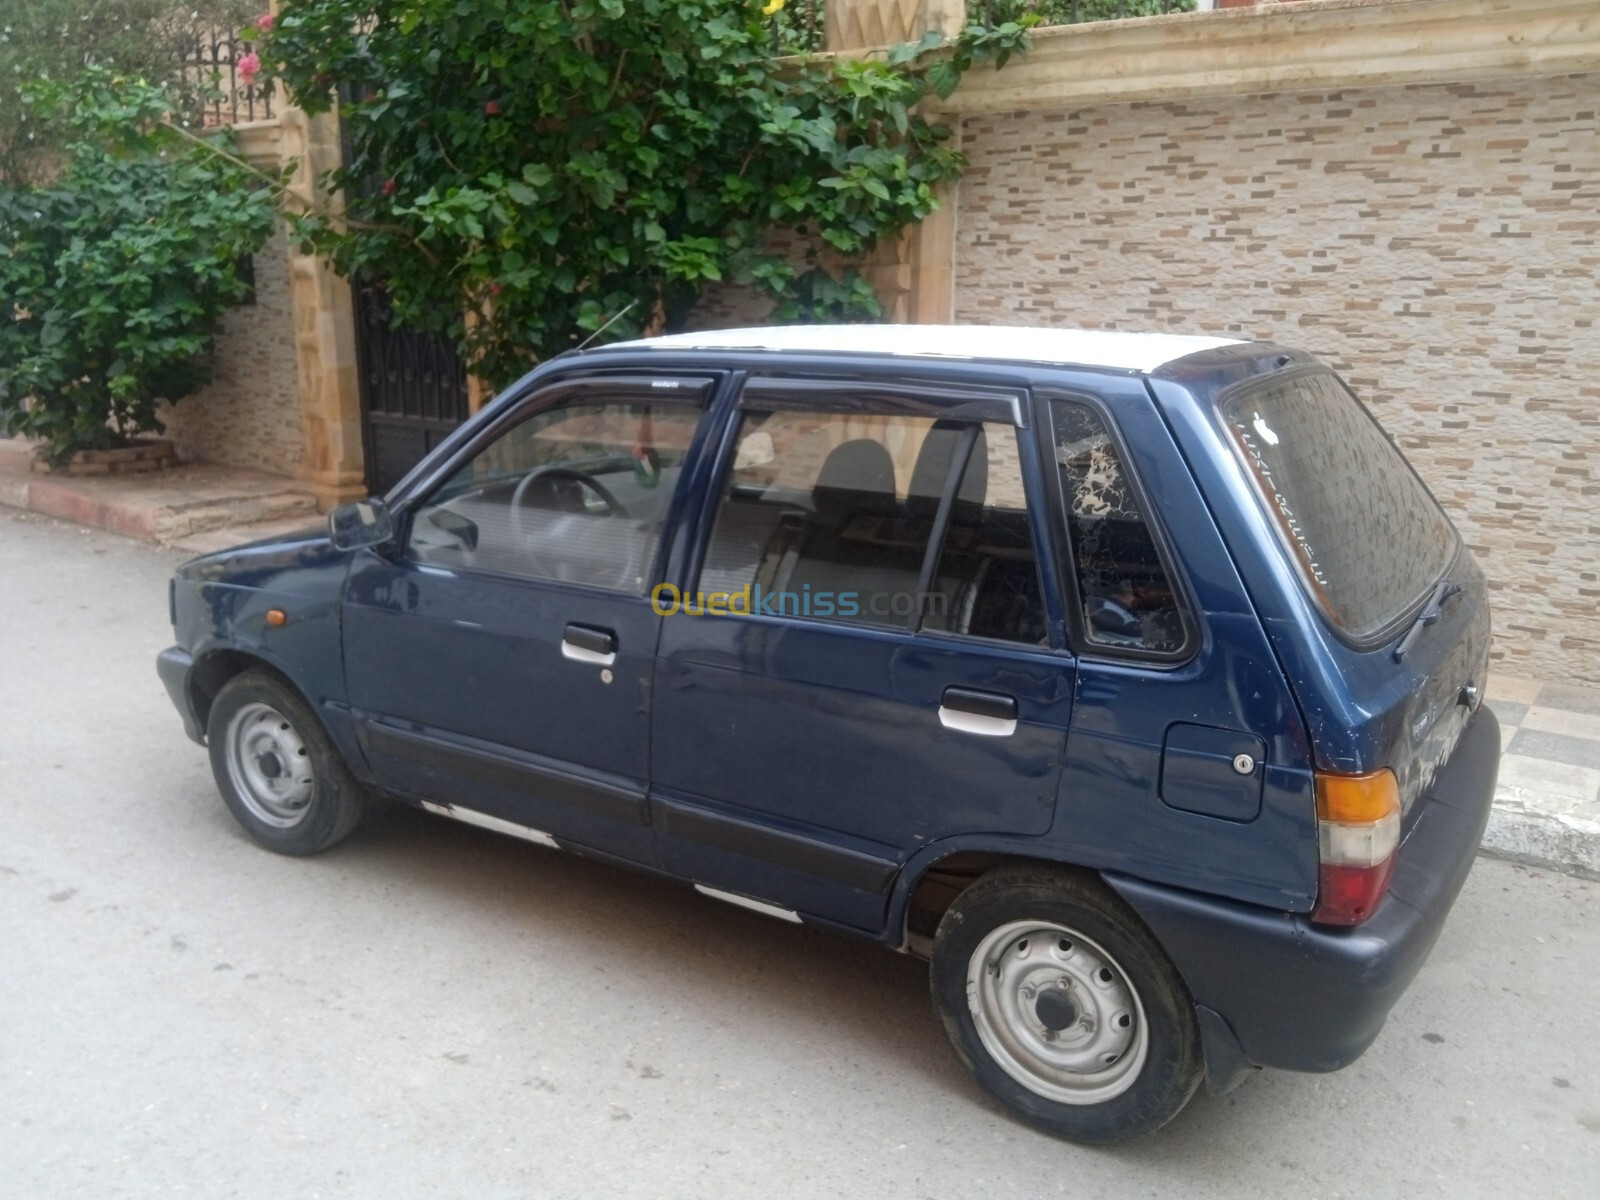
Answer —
333 464
914 274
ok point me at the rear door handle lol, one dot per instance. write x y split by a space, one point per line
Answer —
585 644
987 714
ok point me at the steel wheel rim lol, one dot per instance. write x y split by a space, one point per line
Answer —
270 766
1056 1012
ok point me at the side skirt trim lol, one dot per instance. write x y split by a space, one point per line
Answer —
760 906
472 817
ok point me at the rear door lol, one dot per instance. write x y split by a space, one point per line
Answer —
500 663
862 661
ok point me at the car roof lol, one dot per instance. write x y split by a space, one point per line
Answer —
1104 348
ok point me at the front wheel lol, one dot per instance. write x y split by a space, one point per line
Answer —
1064 1006
276 768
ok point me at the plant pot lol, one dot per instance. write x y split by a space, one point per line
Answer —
145 454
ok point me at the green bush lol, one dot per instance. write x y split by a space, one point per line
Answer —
1068 12
115 276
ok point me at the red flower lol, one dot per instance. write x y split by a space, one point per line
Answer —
492 108
388 187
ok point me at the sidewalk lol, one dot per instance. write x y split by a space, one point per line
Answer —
197 508
1547 804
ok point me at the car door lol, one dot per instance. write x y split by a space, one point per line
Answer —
500 659
863 662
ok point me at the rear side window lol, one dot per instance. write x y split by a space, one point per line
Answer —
1368 538
831 516
1129 602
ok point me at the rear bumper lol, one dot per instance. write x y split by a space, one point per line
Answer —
1305 998
173 665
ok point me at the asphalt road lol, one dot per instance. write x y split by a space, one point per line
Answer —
434 1010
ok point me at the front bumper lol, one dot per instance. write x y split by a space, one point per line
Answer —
1305 998
173 665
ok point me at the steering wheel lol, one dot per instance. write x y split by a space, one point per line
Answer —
519 524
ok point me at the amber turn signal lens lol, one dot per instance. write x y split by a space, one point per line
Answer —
1357 799
276 617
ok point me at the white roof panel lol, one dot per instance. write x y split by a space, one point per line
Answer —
1074 347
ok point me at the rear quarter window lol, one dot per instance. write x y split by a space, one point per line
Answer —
1367 537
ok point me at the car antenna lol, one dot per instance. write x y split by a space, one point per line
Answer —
625 311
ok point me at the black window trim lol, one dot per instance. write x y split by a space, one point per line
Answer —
845 394
1407 615
971 405
632 385
1071 591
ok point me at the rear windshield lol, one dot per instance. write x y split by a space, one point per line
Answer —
1368 538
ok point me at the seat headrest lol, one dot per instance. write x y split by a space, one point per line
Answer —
859 465
938 452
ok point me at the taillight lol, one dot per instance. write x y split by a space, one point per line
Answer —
1358 831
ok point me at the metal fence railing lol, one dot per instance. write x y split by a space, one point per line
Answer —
212 90
800 27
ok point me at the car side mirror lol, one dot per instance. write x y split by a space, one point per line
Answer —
360 524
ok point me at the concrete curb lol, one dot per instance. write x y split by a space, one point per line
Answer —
1528 827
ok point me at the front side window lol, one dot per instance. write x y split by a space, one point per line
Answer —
1366 535
1128 599
831 515
576 494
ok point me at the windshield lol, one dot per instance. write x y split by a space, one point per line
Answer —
1366 535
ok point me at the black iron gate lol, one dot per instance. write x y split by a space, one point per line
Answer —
413 389
413 385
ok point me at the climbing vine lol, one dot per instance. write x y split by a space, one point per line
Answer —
543 165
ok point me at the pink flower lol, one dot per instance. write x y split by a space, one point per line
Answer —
264 22
249 67
492 108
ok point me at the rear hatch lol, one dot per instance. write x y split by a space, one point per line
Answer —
1392 666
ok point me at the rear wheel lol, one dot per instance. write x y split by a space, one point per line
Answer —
1064 1006
276 768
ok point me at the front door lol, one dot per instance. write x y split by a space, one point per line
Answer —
500 661
864 662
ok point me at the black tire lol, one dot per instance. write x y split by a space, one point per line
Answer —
1045 937
276 768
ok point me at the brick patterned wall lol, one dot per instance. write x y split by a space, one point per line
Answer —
249 414
1439 245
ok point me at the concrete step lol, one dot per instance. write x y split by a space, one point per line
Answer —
212 540
171 507
185 520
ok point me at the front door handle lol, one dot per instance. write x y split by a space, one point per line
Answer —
586 644
987 714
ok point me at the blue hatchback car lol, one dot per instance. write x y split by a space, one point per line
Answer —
1133 680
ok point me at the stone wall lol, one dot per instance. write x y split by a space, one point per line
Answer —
249 414
1439 244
